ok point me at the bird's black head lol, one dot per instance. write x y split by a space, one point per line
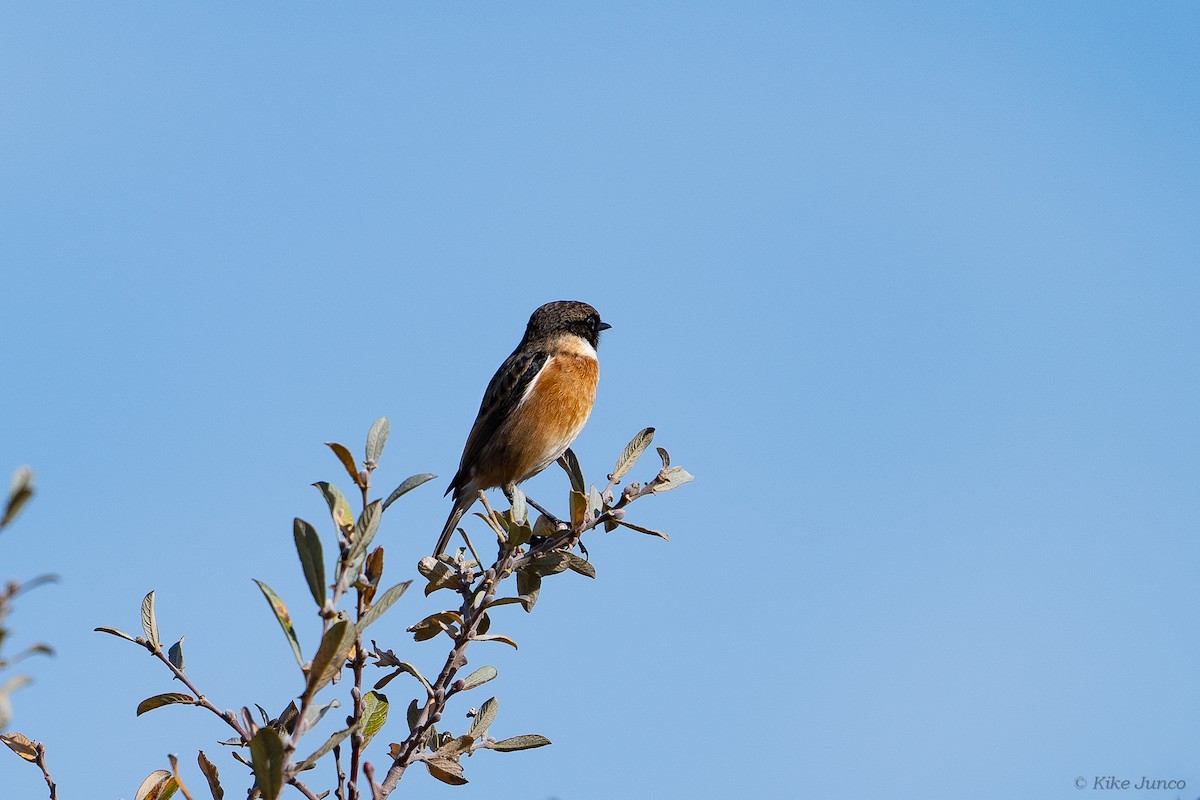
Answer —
566 316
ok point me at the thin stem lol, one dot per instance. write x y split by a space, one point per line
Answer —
304 790
41 762
201 700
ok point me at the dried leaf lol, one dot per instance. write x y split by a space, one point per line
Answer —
372 572
407 486
579 505
438 573
665 456
525 742
21 745
312 558
632 452
377 438
160 700
210 774
431 626
149 623
267 757
158 785
347 461
284 619
446 770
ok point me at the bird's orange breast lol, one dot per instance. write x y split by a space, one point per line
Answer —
549 418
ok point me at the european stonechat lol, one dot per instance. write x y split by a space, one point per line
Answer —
534 407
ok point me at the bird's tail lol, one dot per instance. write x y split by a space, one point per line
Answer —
461 504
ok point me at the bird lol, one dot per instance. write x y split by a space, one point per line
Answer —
533 408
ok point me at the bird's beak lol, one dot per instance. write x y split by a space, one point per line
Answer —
603 326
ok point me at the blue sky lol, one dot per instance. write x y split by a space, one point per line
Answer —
913 290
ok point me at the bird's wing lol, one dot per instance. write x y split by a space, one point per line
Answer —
504 393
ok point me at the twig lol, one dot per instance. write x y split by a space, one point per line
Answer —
304 790
40 760
369 771
201 700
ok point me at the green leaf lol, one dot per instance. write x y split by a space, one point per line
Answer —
160 700
478 678
406 487
446 770
377 438
267 757
495 637
550 563
670 478
339 507
570 463
580 565
284 619
347 461
115 632
414 711
149 623
595 504
19 492
330 743
640 529
364 531
159 785
632 452
314 713
210 774
385 601
519 513
175 654
529 586
374 715
312 558
526 742
484 718
405 667
643 530
335 645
